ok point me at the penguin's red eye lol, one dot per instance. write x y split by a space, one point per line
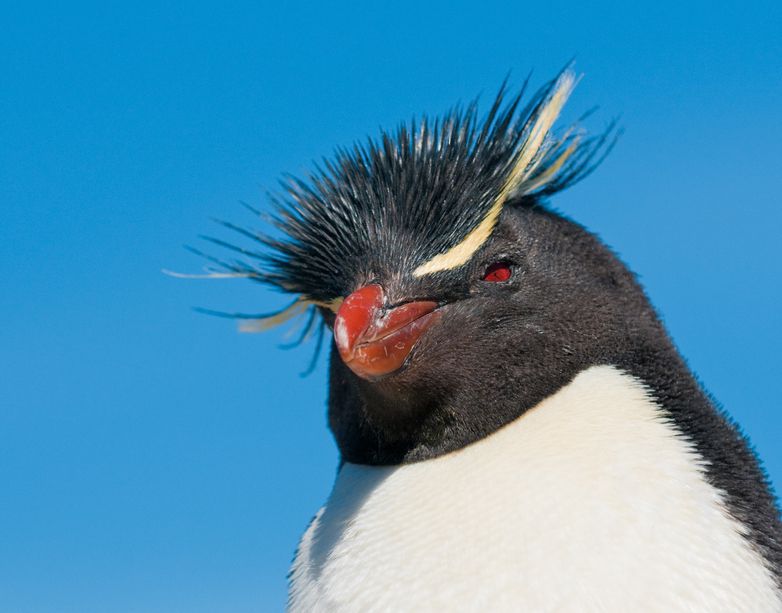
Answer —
498 272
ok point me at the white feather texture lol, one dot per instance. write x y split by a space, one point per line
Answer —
588 502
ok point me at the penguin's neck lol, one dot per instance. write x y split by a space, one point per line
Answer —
590 500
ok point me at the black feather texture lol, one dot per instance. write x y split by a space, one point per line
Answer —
396 201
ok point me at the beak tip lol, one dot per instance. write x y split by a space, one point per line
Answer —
355 315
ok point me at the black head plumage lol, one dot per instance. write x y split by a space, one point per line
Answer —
398 201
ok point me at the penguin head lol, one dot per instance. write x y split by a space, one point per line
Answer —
425 367
455 299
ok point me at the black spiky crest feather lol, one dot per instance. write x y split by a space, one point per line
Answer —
401 199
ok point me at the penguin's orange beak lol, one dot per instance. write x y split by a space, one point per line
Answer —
374 341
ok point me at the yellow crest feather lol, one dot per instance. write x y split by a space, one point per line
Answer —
522 178
299 306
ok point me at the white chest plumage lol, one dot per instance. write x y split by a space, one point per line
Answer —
588 502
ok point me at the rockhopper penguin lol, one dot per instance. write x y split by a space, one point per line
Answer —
517 430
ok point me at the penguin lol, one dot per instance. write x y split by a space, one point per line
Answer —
517 431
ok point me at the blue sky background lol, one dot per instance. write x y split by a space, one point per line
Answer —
151 458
